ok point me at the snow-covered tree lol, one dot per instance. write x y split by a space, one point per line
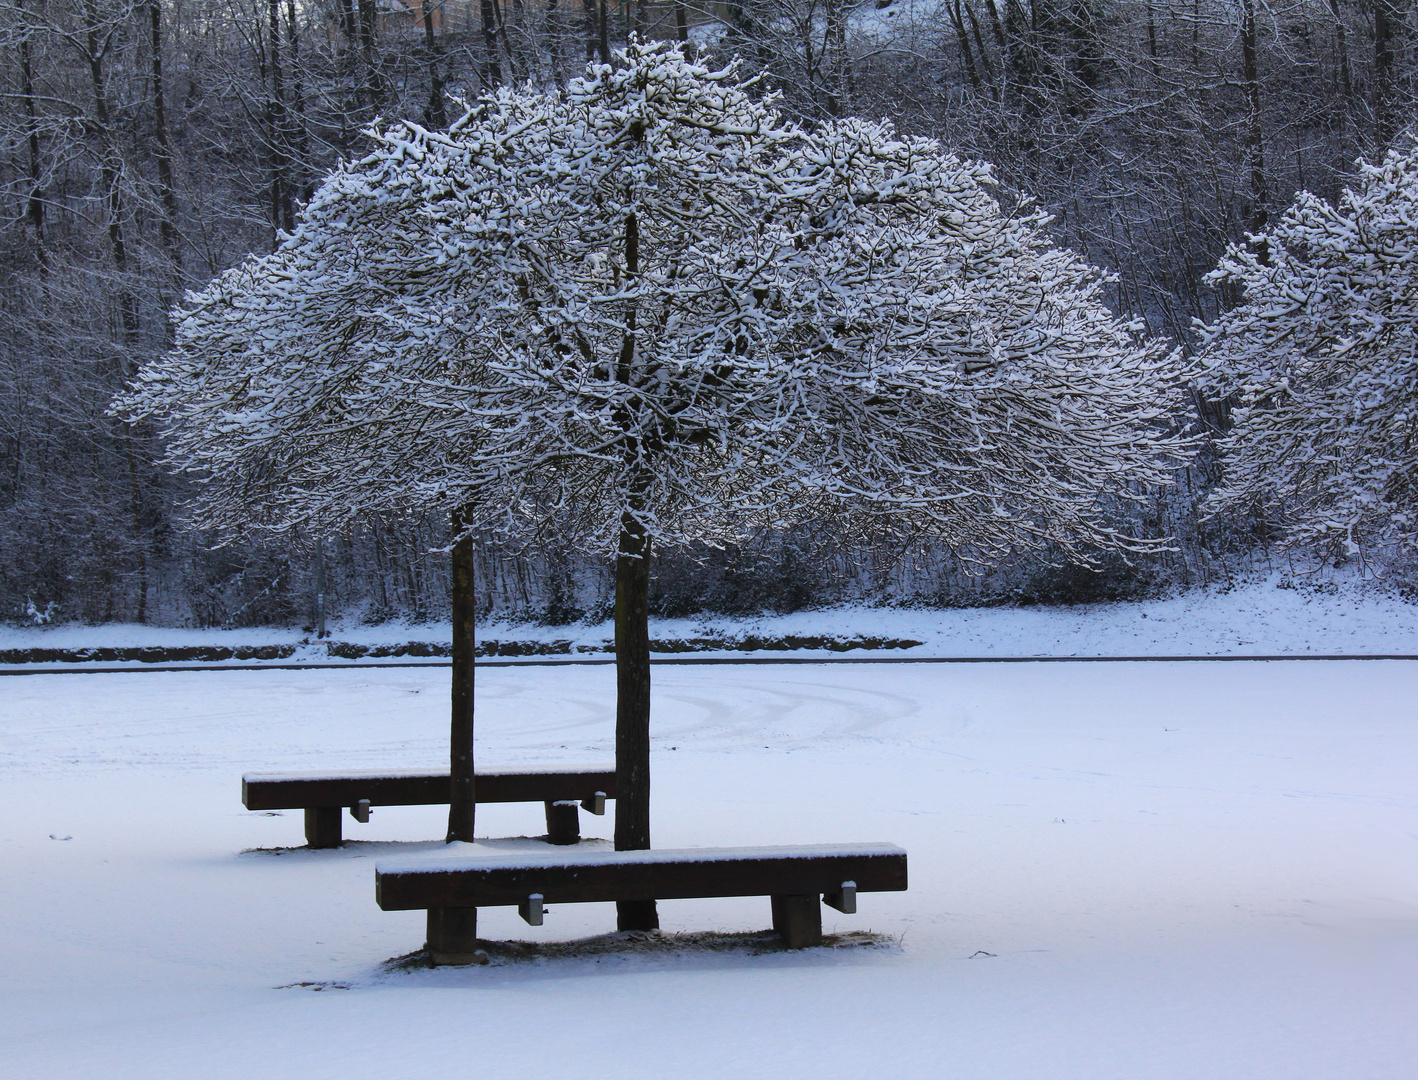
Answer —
1321 358
651 311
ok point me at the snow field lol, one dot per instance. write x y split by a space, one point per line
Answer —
1179 870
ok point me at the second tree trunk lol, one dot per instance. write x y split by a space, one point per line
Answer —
632 711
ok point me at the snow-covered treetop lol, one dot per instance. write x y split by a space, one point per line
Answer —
1322 359
653 300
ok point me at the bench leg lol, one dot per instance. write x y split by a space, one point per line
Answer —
453 937
322 826
563 823
798 920
636 915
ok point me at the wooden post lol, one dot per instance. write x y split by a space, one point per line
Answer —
322 826
563 822
798 920
453 937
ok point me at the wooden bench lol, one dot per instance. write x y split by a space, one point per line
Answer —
452 887
324 795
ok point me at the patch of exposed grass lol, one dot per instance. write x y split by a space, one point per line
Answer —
644 943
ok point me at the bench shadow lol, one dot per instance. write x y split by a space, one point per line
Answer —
623 949
364 848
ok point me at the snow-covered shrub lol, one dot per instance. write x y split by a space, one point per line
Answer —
1321 358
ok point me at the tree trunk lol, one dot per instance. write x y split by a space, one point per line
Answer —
436 114
167 190
1388 24
962 40
35 202
632 708
1255 140
462 803
282 205
632 620
491 69
111 177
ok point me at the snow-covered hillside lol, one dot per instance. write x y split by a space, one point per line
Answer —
1267 617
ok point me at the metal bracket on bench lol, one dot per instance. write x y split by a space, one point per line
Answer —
844 899
360 811
531 909
596 804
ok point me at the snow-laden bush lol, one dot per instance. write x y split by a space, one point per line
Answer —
1321 358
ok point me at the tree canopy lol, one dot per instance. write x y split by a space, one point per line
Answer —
654 295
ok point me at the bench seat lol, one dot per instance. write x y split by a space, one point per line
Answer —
323 795
452 887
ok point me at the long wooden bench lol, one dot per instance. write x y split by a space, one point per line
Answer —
452 887
323 796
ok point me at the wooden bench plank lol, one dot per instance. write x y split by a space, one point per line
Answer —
602 876
297 791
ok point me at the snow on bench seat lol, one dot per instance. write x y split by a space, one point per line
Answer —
399 787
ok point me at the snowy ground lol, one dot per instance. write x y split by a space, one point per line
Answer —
1255 619
1134 871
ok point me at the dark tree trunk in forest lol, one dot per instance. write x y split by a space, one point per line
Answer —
491 69
299 141
462 804
167 190
35 202
1388 24
962 40
435 116
282 202
1255 137
111 176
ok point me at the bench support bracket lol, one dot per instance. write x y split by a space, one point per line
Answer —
844 899
453 937
322 826
531 909
798 920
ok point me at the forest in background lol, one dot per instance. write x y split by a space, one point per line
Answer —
147 146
